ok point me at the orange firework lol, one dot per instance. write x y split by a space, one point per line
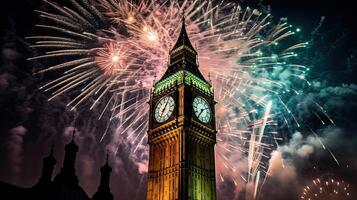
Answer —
111 59
326 189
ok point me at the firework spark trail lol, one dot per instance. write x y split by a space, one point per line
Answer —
116 48
256 185
324 146
257 150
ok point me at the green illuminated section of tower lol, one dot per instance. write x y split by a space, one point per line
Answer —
180 78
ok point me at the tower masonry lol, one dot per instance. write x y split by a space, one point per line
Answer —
182 130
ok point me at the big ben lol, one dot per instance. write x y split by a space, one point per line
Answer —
182 130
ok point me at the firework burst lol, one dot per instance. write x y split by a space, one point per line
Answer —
330 188
118 48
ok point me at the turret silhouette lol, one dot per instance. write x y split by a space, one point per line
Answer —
49 163
65 185
103 192
67 174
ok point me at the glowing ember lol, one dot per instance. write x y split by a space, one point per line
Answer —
115 58
152 36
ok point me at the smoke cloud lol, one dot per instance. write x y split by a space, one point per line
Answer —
14 148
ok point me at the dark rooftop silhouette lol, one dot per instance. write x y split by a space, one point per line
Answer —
65 185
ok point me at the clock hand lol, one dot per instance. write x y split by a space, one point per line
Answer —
199 115
164 107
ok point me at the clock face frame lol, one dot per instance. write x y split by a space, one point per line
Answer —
164 109
202 109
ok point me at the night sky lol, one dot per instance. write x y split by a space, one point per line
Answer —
29 124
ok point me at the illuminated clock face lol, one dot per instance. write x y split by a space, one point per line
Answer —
164 109
202 109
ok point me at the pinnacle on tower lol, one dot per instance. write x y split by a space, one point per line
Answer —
103 192
47 169
72 145
67 174
106 165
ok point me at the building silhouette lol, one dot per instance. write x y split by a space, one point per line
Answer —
104 189
65 185
48 165
182 130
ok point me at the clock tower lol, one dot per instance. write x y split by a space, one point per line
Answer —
182 130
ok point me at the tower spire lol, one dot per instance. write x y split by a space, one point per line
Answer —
183 39
67 174
183 55
73 134
183 17
107 159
